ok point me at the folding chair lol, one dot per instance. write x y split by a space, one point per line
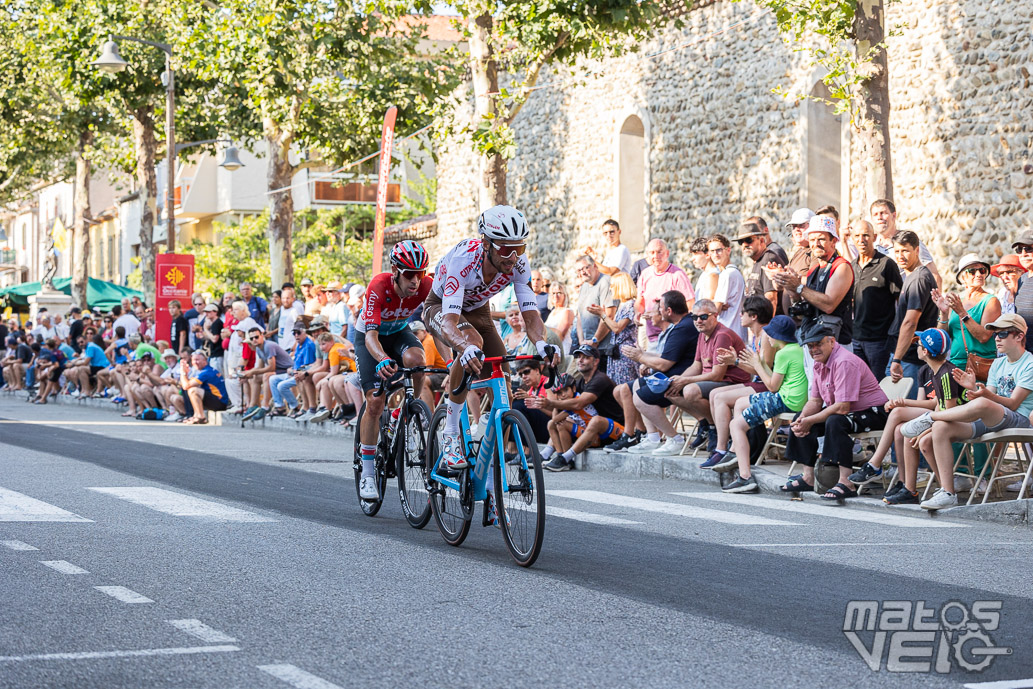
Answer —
1018 438
685 424
772 441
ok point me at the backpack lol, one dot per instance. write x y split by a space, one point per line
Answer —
152 414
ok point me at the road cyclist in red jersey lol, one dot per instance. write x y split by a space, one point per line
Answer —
383 339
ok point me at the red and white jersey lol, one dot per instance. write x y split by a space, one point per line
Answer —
383 310
459 280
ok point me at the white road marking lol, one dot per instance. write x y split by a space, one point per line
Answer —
123 594
202 631
63 566
296 677
16 507
1003 684
181 505
587 517
833 511
854 544
673 508
18 545
136 423
91 655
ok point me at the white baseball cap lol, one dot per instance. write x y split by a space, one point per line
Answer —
800 216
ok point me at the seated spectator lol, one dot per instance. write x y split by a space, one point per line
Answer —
532 384
52 367
710 371
271 360
202 389
339 360
1003 403
934 346
845 398
786 392
1008 271
281 386
589 418
16 363
677 351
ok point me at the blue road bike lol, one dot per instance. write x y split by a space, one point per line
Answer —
507 455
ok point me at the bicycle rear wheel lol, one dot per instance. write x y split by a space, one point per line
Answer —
369 507
521 504
410 463
445 503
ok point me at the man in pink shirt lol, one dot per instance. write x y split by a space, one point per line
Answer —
845 398
661 276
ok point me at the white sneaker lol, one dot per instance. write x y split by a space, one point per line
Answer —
174 416
645 447
452 451
940 500
1014 487
917 426
962 484
368 488
671 446
321 415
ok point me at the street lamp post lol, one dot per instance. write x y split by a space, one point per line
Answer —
110 61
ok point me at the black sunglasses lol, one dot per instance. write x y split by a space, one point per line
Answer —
1025 249
1001 334
700 316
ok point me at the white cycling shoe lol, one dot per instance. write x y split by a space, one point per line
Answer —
452 454
368 488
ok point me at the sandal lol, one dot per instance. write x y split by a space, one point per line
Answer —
195 421
796 485
839 492
128 413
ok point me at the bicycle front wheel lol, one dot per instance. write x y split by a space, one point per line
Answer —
369 507
445 503
410 463
521 501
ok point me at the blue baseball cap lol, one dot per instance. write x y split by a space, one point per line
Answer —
781 328
657 383
936 341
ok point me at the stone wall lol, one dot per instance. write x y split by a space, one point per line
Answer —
720 146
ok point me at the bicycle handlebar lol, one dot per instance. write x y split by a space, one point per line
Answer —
551 370
382 389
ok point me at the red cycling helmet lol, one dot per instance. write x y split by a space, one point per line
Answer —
409 255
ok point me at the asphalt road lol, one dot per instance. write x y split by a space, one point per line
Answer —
257 569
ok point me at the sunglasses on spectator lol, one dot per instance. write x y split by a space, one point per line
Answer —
1024 249
524 372
254 338
505 250
746 242
978 270
1001 334
414 274
700 316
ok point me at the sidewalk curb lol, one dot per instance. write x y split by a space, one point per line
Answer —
678 468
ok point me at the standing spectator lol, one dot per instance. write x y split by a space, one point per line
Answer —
76 325
617 257
828 289
661 276
884 219
61 328
730 285
290 312
800 260
845 398
127 320
773 246
877 283
540 287
336 311
1008 271
257 307
209 331
179 330
561 316
1003 403
965 316
515 340
1023 246
595 291
915 310
193 315
356 298
306 290
45 329
623 327
706 283
273 326
755 244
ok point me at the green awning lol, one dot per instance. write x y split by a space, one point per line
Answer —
99 293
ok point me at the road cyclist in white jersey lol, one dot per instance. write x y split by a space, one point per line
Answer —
457 311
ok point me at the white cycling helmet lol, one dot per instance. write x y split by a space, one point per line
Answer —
504 223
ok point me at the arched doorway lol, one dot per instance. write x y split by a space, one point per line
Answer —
824 152
631 186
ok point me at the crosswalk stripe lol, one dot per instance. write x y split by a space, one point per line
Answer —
123 594
181 505
296 677
63 566
833 511
17 507
672 508
146 652
202 631
18 545
587 517
1002 684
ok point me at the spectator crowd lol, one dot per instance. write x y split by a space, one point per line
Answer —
744 331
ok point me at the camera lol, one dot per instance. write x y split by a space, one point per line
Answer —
803 310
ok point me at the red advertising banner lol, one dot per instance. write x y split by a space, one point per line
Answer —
173 279
387 140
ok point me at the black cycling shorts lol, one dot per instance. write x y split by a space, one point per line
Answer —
394 345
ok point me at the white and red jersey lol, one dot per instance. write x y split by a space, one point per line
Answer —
383 310
459 280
